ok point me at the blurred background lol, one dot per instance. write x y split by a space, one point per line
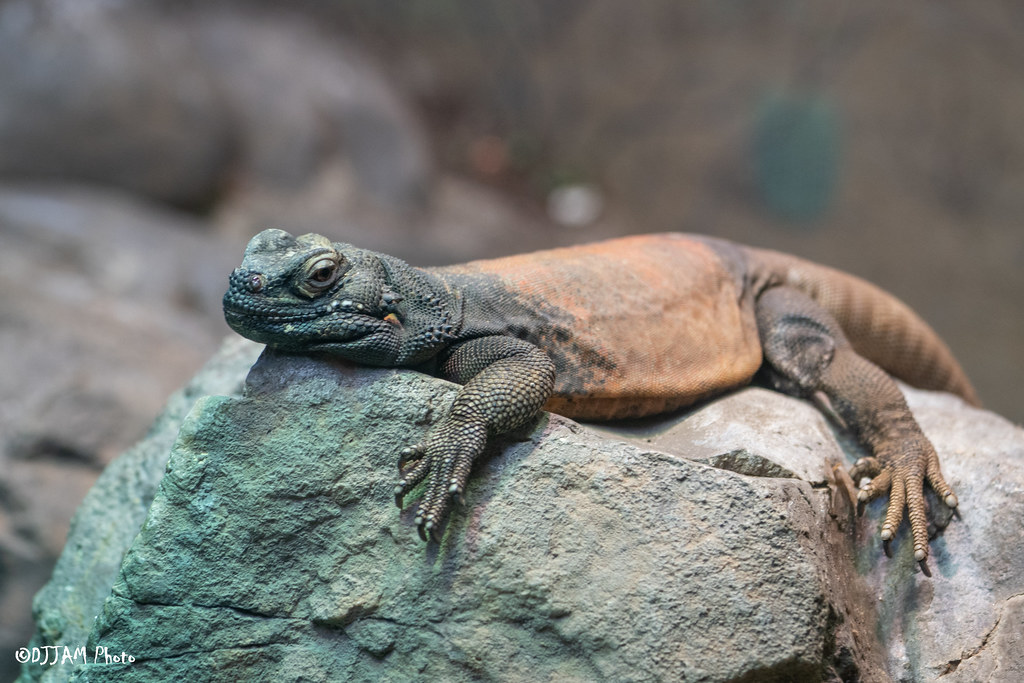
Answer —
142 142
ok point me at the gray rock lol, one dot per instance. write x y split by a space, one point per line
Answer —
272 550
114 510
87 100
108 304
965 624
186 103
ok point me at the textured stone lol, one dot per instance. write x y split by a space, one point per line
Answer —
963 623
108 304
113 511
272 550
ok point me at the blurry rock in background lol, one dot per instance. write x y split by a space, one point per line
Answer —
106 302
143 141
180 105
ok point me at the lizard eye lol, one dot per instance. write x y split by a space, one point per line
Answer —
320 273
323 271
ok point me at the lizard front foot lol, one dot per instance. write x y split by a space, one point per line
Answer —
444 461
902 477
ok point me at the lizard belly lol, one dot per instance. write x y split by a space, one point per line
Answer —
635 326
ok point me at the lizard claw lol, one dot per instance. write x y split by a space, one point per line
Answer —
428 526
422 529
924 568
411 475
870 468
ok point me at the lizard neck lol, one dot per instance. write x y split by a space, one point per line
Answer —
428 310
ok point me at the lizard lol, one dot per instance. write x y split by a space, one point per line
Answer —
624 328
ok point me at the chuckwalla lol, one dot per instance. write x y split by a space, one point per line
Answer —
624 328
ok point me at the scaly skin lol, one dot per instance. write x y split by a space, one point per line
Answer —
624 328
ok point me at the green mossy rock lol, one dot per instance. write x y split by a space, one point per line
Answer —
272 549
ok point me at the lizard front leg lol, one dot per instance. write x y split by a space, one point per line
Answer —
506 381
808 352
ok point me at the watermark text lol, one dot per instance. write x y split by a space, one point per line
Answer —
50 655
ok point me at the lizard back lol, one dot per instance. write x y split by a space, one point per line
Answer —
635 326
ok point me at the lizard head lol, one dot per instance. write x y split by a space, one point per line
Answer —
308 294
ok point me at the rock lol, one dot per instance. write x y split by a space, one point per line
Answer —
300 97
966 623
272 549
97 92
259 116
88 100
66 607
107 305
96 286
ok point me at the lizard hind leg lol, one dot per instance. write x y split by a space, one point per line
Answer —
804 345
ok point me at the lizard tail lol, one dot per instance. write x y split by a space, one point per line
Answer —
879 326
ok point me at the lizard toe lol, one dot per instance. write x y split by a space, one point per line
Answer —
410 454
894 514
843 489
411 476
868 467
878 486
429 520
938 482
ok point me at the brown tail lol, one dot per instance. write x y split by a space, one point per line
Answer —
879 326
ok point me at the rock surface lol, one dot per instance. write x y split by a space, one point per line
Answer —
113 511
272 550
107 305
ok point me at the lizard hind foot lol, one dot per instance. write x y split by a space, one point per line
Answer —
903 478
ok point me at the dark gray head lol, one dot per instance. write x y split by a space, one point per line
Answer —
308 294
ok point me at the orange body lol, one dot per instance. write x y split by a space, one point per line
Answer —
636 326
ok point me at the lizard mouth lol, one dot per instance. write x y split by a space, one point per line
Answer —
242 312
328 323
243 307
